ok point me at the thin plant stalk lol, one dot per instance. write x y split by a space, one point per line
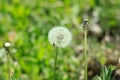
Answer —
85 26
85 53
55 64
7 48
8 64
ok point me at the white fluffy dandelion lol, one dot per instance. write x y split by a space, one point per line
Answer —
60 36
7 44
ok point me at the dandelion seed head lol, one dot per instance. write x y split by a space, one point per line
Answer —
7 44
59 36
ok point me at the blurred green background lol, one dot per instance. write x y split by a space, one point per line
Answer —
26 23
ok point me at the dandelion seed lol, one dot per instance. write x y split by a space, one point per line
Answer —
60 36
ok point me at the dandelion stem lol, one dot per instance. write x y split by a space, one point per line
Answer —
8 64
7 45
55 64
85 53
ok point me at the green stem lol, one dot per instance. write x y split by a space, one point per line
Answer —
85 53
55 64
8 64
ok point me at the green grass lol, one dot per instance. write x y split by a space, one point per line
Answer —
26 24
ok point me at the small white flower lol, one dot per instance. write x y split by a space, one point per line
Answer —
59 36
7 44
